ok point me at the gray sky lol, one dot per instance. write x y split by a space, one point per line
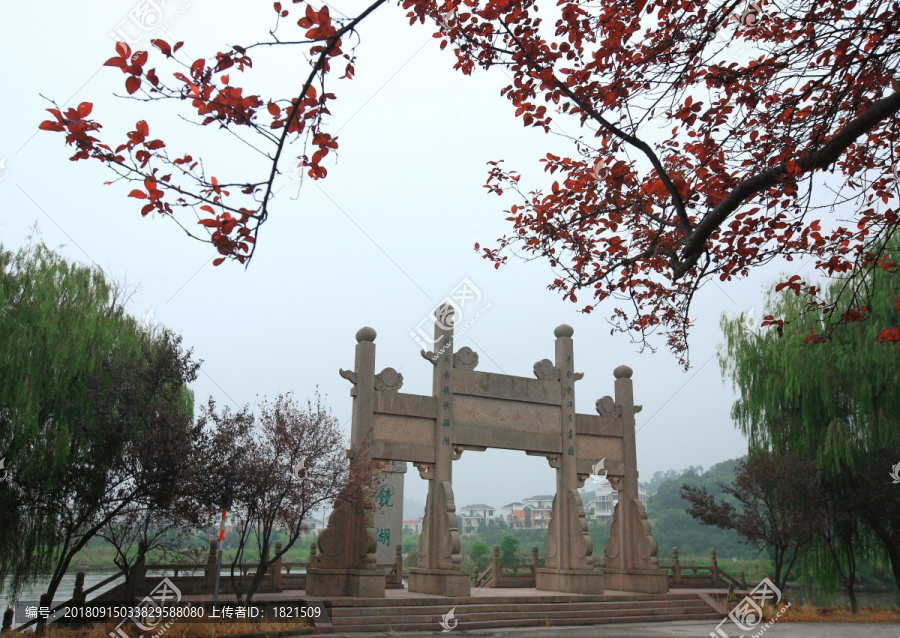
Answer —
378 243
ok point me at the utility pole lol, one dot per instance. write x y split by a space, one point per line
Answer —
225 507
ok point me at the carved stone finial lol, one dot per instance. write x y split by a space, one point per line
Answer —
348 374
623 372
563 330
638 408
388 379
366 334
430 357
606 406
544 369
465 357
579 376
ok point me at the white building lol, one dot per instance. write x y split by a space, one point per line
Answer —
605 499
475 515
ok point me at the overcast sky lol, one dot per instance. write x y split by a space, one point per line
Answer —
378 243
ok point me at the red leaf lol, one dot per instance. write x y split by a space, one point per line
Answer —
132 84
208 209
139 58
123 50
218 261
47 125
155 144
138 194
84 109
163 46
209 223
142 128
119 62
274 109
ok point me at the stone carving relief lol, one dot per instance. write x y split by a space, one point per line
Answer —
544 369
465 358
388 379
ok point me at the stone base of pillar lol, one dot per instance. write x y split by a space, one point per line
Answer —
359 583
645 581
571 581
441 582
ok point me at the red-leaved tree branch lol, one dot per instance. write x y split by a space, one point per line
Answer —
230 213
712 138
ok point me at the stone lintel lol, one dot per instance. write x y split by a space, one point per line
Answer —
502 414
401 451
401 404
645 581
506 438
573 581
503 386
597 425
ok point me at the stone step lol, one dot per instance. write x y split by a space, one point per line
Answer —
467 616
500 600
346 612
532 622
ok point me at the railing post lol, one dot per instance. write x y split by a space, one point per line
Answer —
473 579
535 564
676 566
276 567
211 564
743 580
312 555
495 565
7 620
78 592
713 568
398 564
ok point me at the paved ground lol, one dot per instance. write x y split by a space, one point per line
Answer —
684 629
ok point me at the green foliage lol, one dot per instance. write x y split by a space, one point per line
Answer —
83 389
672 526
509 550
835 401
480 555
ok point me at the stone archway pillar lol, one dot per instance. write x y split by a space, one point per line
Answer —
439 570
631 562
346 563
569 565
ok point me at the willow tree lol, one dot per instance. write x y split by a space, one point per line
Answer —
834 400
94 412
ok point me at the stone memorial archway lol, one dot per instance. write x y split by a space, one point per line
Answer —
472 410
